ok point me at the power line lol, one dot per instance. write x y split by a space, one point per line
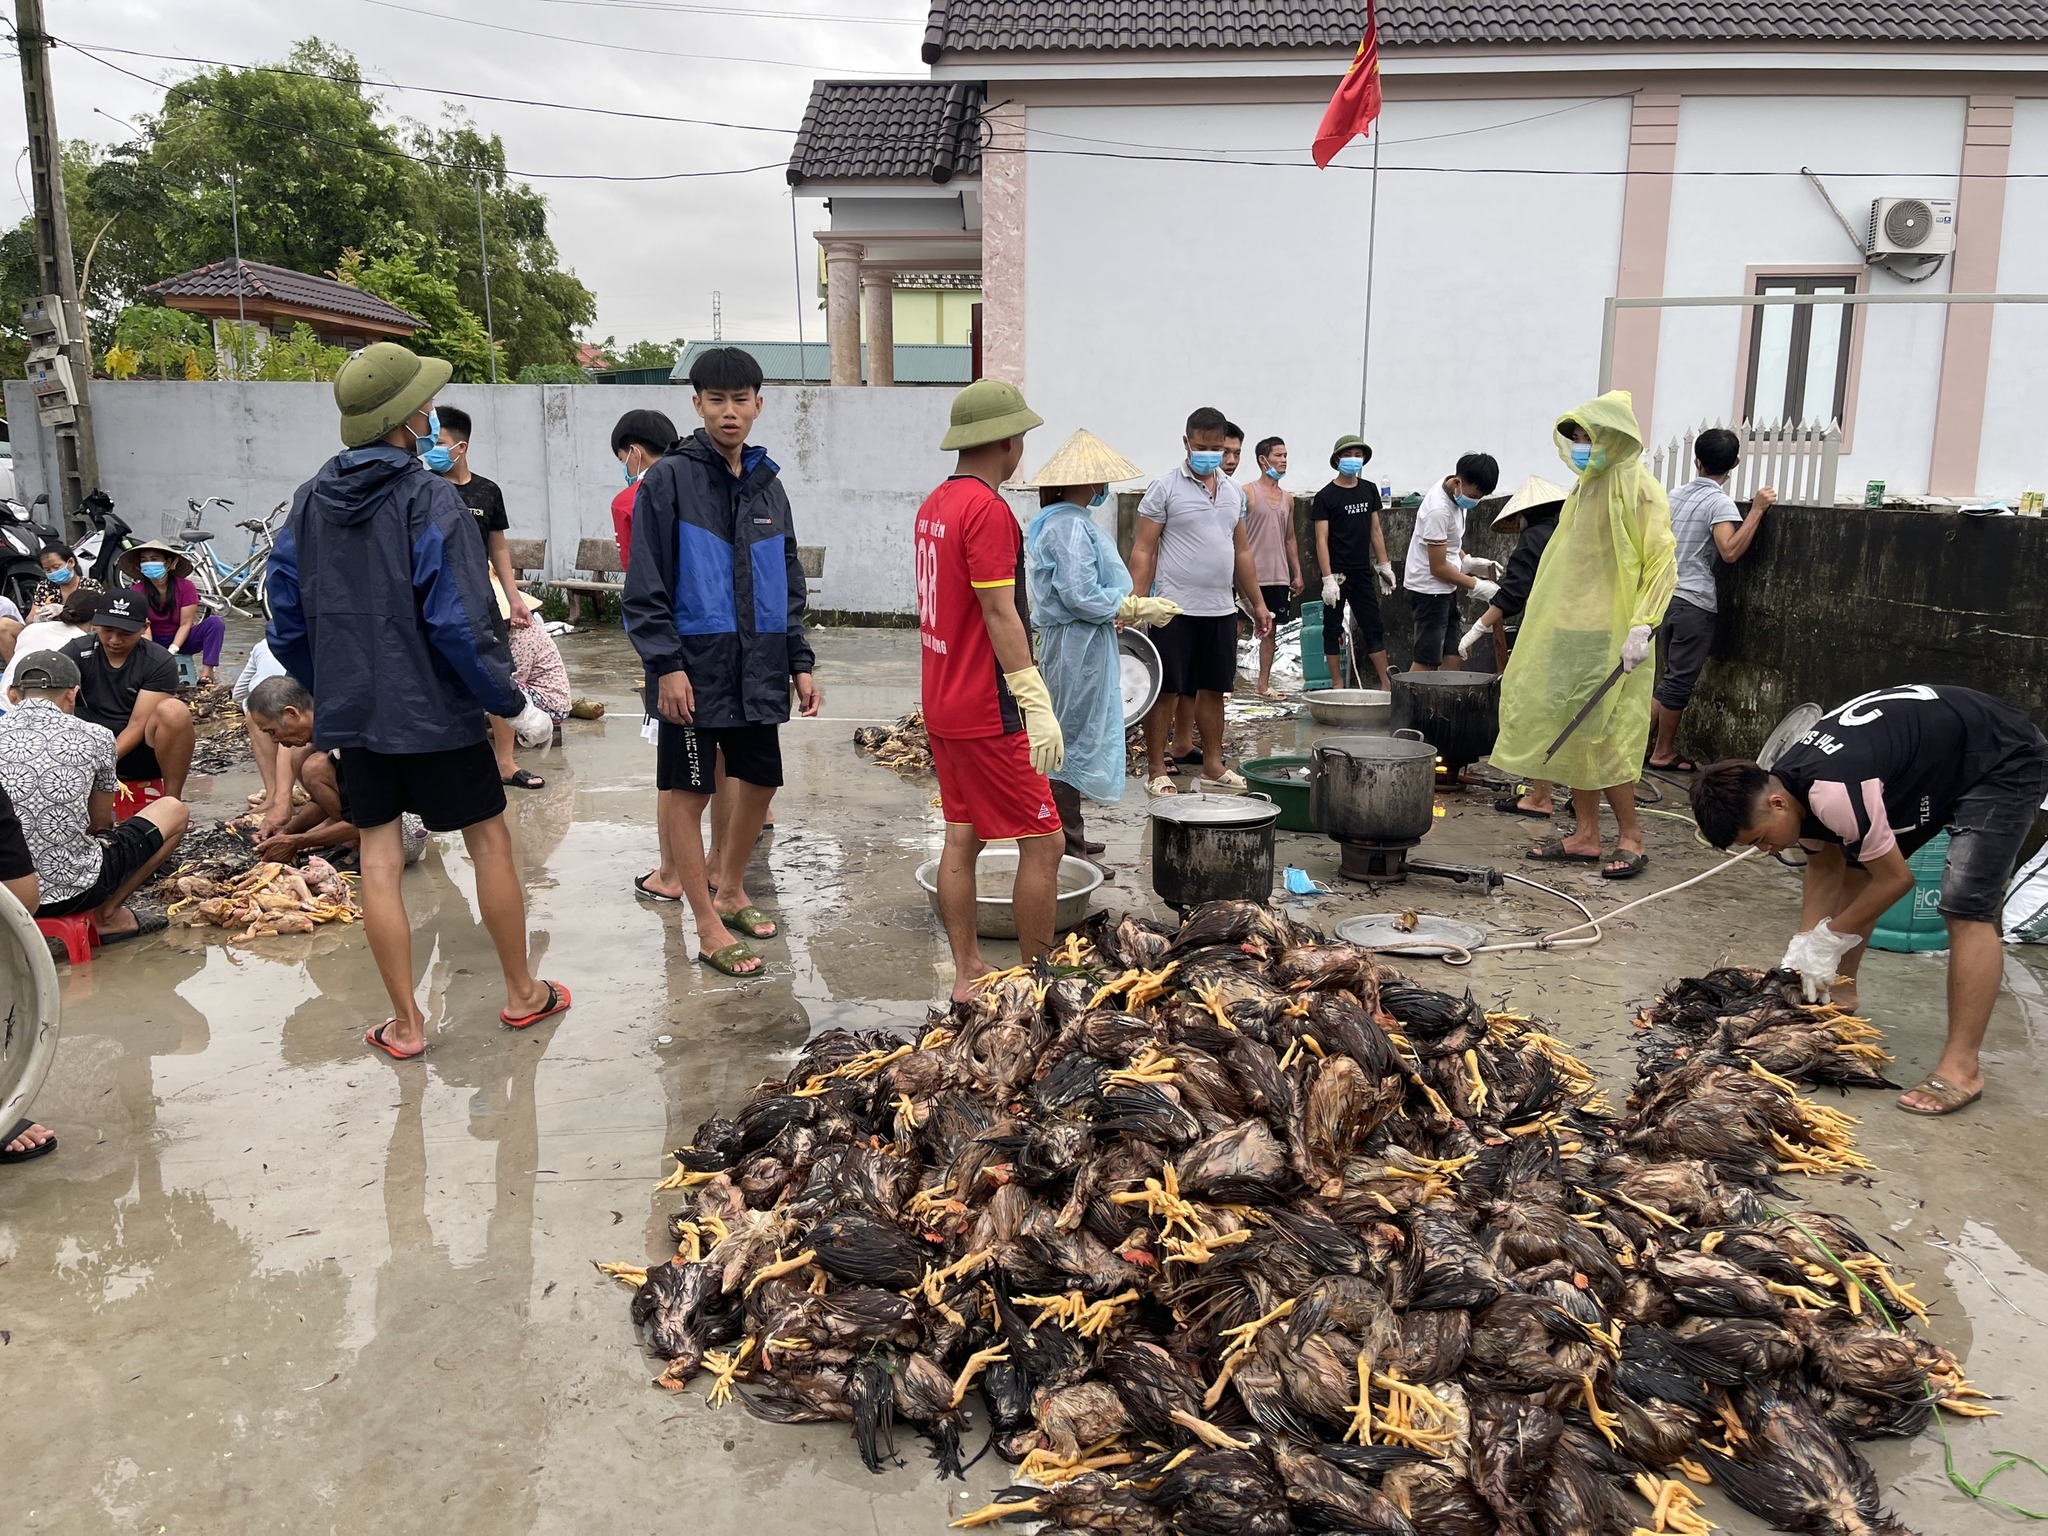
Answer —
741 11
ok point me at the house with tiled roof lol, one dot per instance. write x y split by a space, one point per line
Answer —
1131 180
278 298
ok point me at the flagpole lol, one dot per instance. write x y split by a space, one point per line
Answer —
1372 231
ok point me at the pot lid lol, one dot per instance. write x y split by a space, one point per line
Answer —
1215 810
1459 679
1386 748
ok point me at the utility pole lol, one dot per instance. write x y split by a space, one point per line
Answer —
717 316
58 321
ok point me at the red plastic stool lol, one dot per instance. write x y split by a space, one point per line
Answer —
134 794
81 935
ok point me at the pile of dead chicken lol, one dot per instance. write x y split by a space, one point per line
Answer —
904 746
263 902
1234 1232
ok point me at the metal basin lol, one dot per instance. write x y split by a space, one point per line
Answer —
28 992
1138 674
1458 713
995 873
1212 848
1382 788
1357 709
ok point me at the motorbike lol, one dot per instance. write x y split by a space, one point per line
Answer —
22 542
111 537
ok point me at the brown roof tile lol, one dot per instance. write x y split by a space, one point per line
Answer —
869 130
260 280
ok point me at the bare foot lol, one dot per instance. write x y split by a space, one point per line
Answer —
654 885
1844 996
35 1136
965 982
403 1037
1530 803
712 940
1585 847
121 920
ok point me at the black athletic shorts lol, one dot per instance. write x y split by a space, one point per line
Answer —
446 790
1683 641
140 765
1279 602
686 756
1986 831
1358 597
1435 613
1197 654
124 848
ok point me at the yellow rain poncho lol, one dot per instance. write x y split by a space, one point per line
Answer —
1611 566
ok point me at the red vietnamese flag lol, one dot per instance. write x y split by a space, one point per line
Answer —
1357 102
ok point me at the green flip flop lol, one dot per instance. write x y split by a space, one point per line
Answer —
756 923
728 960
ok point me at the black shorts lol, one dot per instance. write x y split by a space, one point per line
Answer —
1197 654
446 790
140 765
1683 641
1279 602
686 756
124 848
1986 831
1359 597
1435 613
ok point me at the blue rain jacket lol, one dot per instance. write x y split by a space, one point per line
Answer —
380 603
714 587
1077 582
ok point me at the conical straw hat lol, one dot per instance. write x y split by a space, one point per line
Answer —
1535 492
1085 459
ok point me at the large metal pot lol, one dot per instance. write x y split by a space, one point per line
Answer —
1212 848
1382 788
1458 713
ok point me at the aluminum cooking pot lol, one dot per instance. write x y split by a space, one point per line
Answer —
1382 788
1458 713
1212 848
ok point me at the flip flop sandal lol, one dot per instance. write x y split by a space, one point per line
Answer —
1676 765
375 1036
1943 1092
1632 864
1553 851
147 920
522 778
1511 805
22 1128
753 920
640 884
558 1002
728 959
1228 779
1161 786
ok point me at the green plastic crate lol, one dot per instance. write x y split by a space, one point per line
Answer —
1914 923
1315 669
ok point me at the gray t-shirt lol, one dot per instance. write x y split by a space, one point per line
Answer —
1197 541
1696 507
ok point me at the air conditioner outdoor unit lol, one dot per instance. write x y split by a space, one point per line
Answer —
1911 226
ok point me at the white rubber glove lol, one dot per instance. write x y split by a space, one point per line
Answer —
1817 956
1485 590
1472 637
1147 610
1635 650
1041 725
1476 565
1333 590
1388 580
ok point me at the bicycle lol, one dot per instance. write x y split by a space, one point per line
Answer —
237 587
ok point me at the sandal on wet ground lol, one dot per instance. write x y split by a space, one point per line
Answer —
558 1002
523 778
1163 785
1676 765
1229 780
21 1129
752 921
149 918
374 1036
1511 805
640 884
1624 865
1943 1092
1553 851
729 959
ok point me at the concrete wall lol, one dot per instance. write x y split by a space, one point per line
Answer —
856 462
2014 452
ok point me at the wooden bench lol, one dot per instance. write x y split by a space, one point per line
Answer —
599 558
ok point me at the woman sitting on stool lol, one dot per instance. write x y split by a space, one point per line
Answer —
176 621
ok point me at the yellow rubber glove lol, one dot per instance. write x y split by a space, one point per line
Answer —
1041 725
1148 610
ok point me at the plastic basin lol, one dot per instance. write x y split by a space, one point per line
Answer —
1286 781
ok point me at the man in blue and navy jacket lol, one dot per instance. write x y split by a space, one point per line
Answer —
715 606
380 606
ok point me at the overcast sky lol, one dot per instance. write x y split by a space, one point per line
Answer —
652 253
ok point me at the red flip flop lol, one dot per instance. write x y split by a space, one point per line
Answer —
558 1002
375 1037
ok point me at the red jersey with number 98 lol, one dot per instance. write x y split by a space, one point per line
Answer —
967 539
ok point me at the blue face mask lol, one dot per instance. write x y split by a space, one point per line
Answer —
1465 503
1350 466
1205 462
1274 474
439 458
153 570
59 576
1582 455
424 445
1097 500
630 476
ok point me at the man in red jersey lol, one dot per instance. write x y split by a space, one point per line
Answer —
994 735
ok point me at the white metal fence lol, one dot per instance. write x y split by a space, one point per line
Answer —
1794 459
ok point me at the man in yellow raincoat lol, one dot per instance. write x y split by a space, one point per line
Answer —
1599 596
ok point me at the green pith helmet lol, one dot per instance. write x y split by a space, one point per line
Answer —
1350 440
987 411
381 385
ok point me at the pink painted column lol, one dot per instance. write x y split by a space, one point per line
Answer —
1645 238
1966 342
1002 246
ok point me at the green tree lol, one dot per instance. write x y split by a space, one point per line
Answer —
552 373
410 271
645 354
162 339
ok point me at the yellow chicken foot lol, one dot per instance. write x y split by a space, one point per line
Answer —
972 1369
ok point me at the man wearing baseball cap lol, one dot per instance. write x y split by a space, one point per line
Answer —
994 735
380 605
129 684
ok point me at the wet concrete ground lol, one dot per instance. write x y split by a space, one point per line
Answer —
272 1282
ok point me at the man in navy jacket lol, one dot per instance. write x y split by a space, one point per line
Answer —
715 606
379 605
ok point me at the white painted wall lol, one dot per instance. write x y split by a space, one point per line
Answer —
1154 287
856 461
2014 453
1721 225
